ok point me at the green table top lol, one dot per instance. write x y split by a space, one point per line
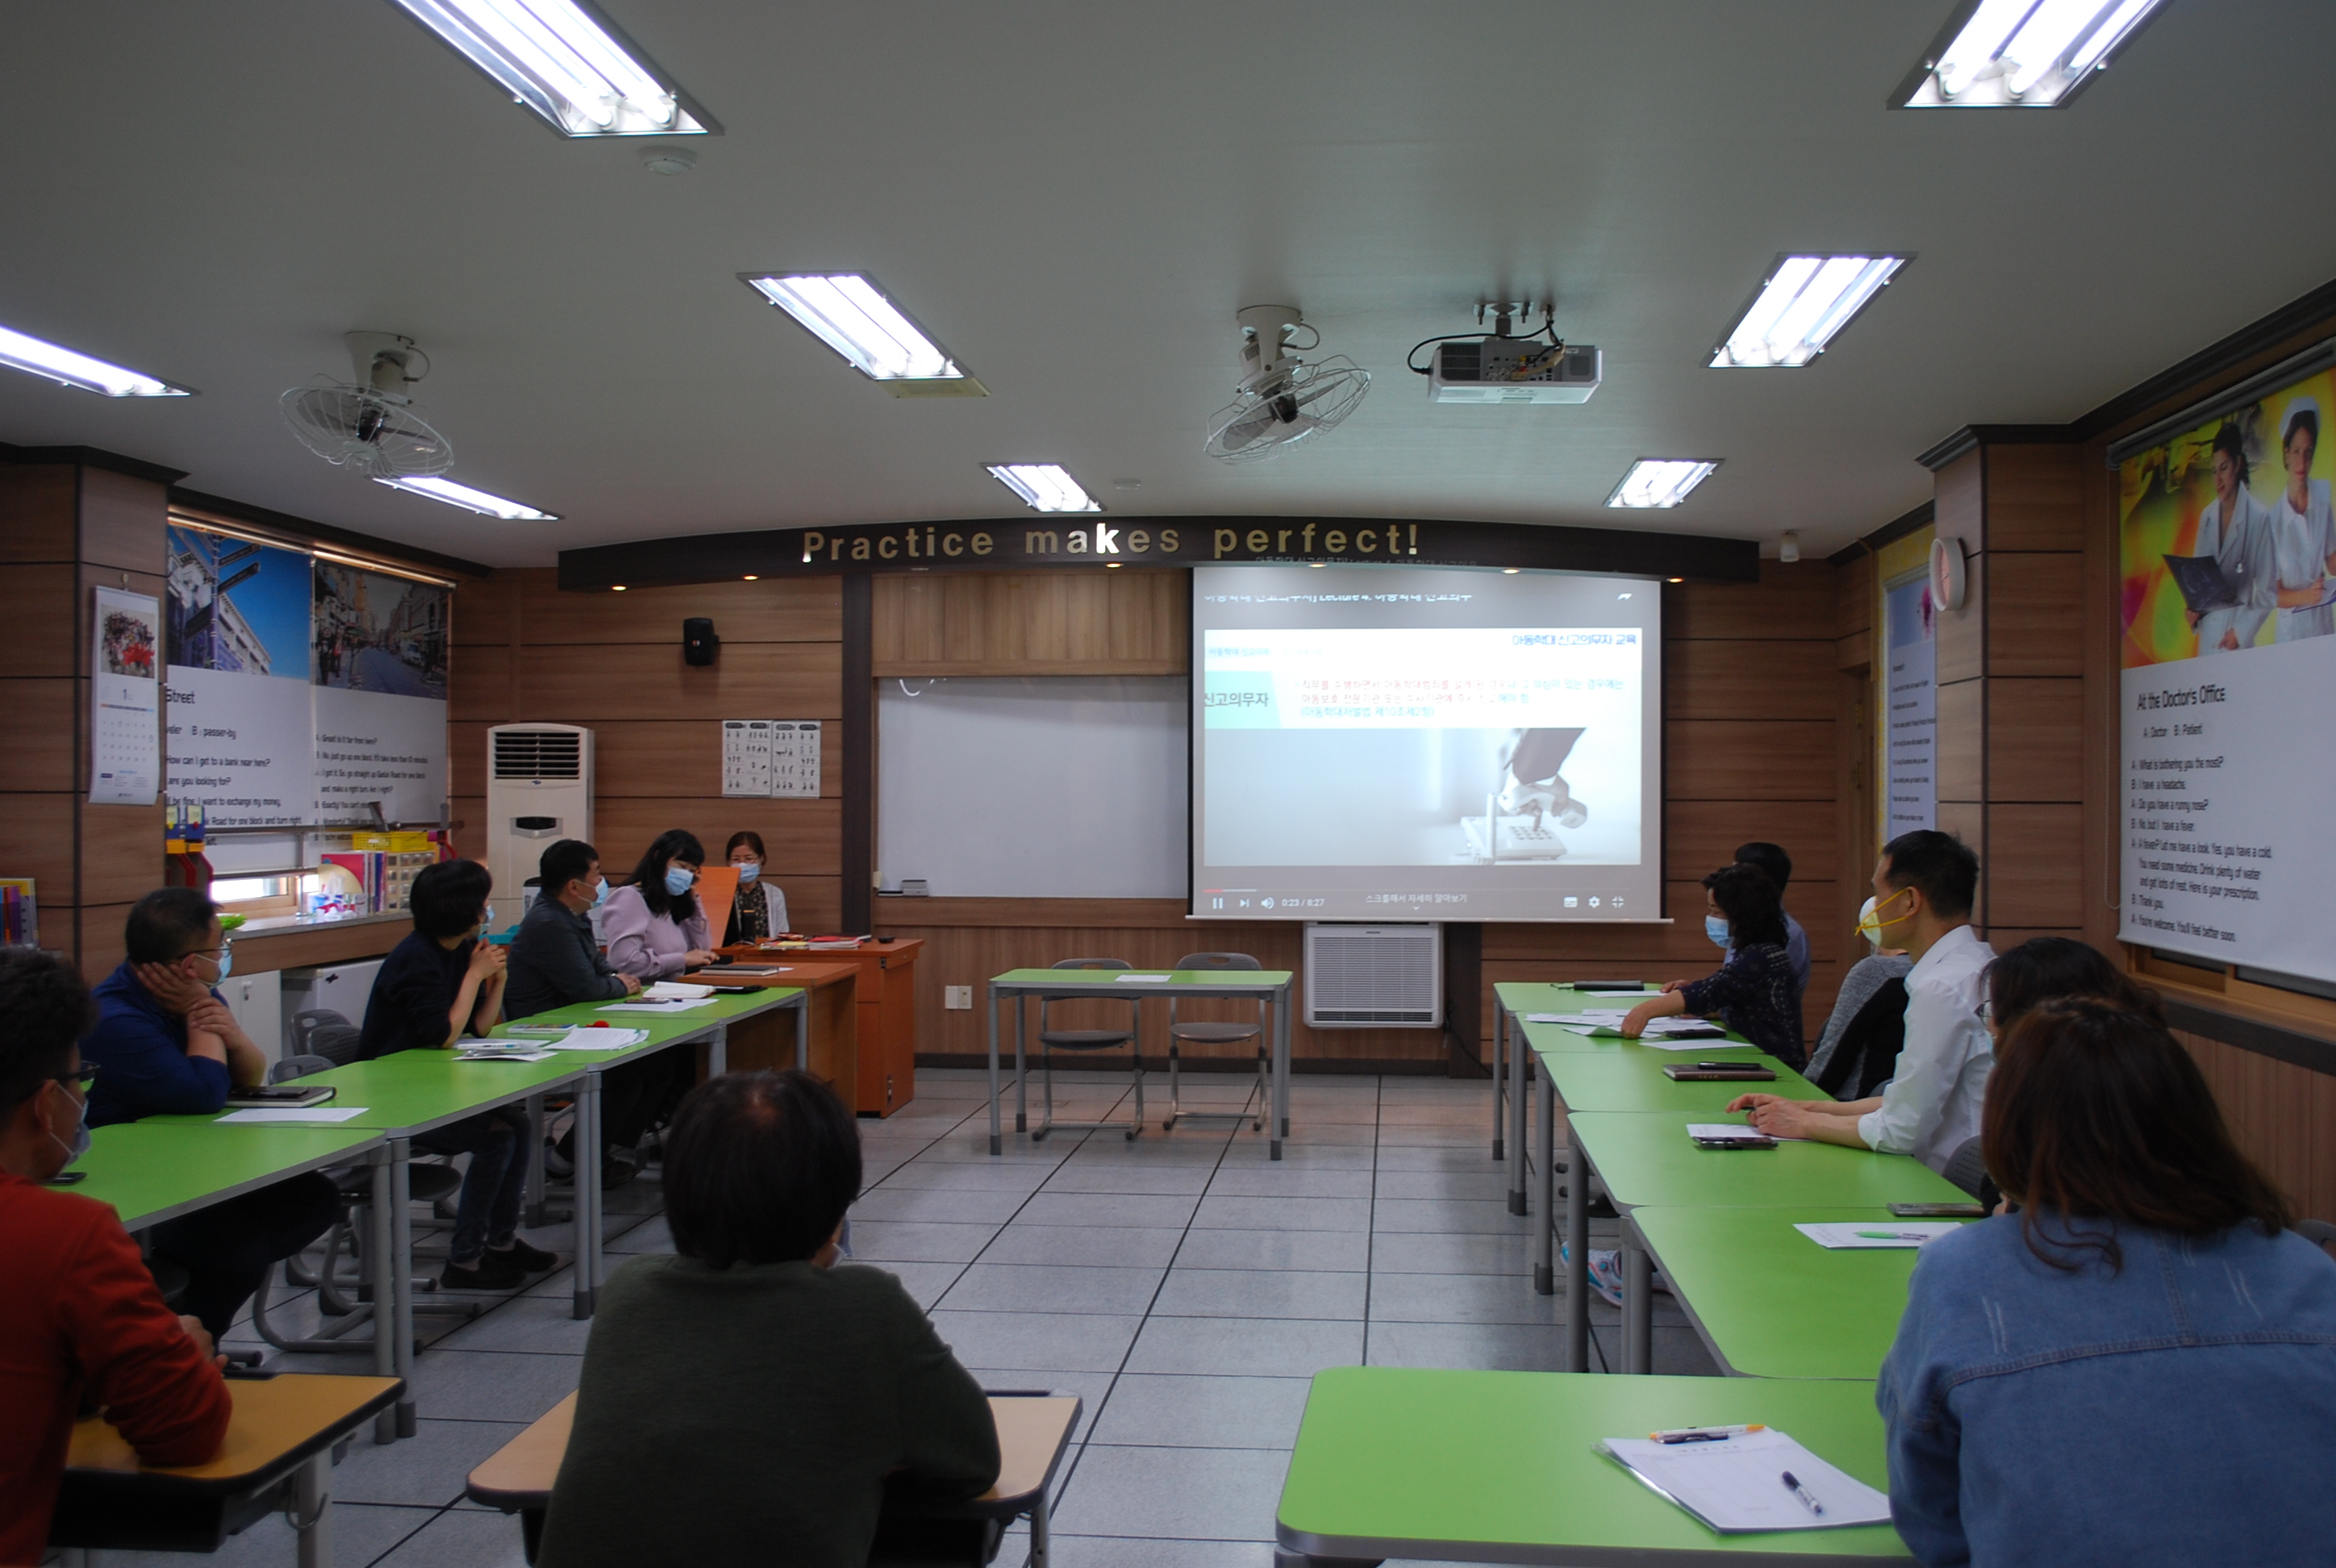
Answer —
1499 1466
1771 1302
1108 980
412 1091
1647 1159
1631 1079
667 1026
159 1168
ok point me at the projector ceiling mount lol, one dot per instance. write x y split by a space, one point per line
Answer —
1502 368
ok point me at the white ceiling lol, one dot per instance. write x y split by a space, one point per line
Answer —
1075 198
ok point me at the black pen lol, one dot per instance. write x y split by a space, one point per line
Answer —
1807 1501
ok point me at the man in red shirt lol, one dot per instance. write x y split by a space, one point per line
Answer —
80 1323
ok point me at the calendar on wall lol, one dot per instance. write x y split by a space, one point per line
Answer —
770 757
125 698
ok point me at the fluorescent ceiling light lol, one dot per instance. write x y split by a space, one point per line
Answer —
565 61
1045 486
469 499
36 357
1661 482
1805 301
847 311
2021 53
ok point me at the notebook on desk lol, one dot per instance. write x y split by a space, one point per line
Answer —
1750 1481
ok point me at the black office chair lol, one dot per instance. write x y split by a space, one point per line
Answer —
1218 1034
1964 1167
1051 1040
331 1041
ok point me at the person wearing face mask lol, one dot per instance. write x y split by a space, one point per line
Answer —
1924 886
1857 1050
1753 992
556 962
656 927
761 908
439 985
166 1045
81 1322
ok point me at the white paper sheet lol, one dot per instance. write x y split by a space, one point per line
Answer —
1588 1016
1141 980
679 1005
1877 1234
294 1113
1692 1043
678 990
1737 1485
499 1056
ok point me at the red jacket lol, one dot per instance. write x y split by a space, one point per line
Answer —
81 1322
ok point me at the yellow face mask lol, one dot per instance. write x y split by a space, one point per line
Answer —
1870 923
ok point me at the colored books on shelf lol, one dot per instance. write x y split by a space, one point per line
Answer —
20 913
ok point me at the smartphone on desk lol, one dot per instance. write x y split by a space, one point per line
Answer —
1939 1210
1719 1072
1735 1142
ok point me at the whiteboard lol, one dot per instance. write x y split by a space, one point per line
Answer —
1059 786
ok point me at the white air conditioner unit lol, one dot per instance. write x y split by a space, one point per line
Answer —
1374 977
539 790
1502 370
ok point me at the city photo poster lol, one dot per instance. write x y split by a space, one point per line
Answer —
378 684
238 734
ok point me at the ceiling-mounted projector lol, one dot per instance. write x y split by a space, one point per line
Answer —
1498 369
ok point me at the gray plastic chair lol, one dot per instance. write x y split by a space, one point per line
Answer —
1051 1040
1216 1034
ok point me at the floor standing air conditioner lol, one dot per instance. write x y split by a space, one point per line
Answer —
539 790
1374 977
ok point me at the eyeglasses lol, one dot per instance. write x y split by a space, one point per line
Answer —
222 950
80 1078
1987 1011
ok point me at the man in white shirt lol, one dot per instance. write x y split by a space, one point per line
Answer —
1924 887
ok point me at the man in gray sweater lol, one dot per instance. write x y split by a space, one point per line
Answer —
745 1402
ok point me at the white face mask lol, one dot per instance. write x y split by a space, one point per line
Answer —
1867 929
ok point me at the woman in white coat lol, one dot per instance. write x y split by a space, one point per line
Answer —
2304 530
2236 529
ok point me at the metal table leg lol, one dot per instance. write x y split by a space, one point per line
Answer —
1500 1049
1545 1227
1577 1256
313 1510
534 1208
997 1145
381 1255
400 1263
1041 1531
1281 1032
1520 1062
588 1194
717 1051
1638 1302
1021 1069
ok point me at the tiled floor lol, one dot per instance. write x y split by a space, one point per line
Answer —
1182 1285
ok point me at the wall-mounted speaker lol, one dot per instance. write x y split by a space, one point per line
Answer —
697 640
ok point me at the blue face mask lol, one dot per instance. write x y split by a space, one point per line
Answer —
487 919
600 893
226 964
80 1145
1716 929
747 871
678 880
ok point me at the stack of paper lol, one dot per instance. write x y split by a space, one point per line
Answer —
1878 1234
293 1114
675 990
1738 1483
500 1051
1591 1015
1725 1132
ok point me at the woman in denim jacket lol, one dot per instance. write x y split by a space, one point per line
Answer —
2138 1368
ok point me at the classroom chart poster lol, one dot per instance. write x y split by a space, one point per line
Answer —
125 698
2227 557
767 757
378 677
239 735
1910 717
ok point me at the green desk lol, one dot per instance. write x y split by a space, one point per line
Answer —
1619 1075
1498 1467
1771 1303
1512 1000
1271 986
163 1168
1647 1161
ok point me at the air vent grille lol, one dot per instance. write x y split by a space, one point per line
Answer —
538 753
1382 976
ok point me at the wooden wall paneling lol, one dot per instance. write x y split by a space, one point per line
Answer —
1959 501
2035 617
1854 594
119 852
1852 813
479 688
36 840
1134 621
646 681
2100 780
2035 740
2282 1116
124 523
1966 819
1963 633
43 733
43 620
96 946
856 696
1734 678
2033 874
1959 749
2035 496
803 837
1701 836
486 612
1784 605
795 610
36 513
1747 760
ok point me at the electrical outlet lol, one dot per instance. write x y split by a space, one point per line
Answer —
957 998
